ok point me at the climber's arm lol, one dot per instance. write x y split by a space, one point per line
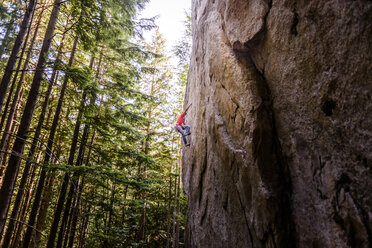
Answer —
187 108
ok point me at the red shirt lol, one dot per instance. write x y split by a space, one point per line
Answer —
180 119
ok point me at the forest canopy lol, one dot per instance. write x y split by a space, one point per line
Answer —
89 156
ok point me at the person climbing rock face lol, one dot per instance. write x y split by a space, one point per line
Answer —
180 127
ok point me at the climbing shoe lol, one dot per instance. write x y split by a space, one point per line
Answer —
187 144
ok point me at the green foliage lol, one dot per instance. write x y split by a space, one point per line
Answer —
126 95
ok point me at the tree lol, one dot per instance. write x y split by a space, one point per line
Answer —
13 56
12 169
27 166
105 111
48 155
156 84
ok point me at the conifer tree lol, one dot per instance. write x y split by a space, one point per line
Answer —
106 174
13 165
16 48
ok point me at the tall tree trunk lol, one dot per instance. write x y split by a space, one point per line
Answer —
10 138
13 56
175 209
47 197
25 65
87 160
75 215
77 181
24 70
29 163
16 95
48 194
177 237
24 209
70 215
30 193
36 135
169 210
84 228
146 150
85 220
73 188
142 221
79 162
63 190
48 155
7 187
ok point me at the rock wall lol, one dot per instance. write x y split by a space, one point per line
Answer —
281 144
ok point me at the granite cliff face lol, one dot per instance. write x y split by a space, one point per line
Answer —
281 120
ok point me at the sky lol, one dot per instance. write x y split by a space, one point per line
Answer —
171 17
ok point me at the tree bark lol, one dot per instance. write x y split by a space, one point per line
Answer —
73 187
177 237
76 180
24 70
33 146
169 211
77 188
13 56
80 184
35 138
176 182
9 122
62 194
48 155
75 215
25 176
70 215
25 65
13 129
13 165
63 190
24 208
44 209
84 228
84 224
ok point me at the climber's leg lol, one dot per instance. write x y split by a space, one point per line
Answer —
187 128
183 135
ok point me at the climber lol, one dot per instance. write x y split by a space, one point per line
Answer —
180 127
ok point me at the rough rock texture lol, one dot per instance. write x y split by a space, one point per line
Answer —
281 120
